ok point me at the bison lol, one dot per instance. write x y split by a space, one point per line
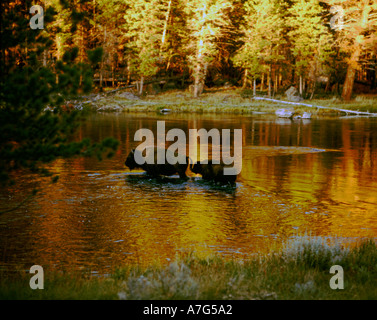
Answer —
155 169
213 172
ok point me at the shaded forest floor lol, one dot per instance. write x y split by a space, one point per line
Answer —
300 270
219 100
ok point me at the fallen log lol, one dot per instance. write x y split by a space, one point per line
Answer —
319 107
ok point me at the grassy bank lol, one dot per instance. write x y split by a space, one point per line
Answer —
221 100
299 271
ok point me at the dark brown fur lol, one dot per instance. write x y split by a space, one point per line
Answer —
213 172
156 169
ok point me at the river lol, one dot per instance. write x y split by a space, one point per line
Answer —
316 177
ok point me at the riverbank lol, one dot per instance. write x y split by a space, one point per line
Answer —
218 100
301 270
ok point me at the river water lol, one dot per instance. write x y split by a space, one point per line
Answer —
316 177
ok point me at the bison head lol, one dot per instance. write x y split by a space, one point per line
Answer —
130 161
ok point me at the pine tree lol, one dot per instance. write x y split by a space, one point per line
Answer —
144 27
105 32
310 39
263 39
173 49
208 20
356 32
30 136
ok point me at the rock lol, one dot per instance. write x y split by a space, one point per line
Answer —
305 115
292 95
128 95
110 108
296 99
284 113
291 92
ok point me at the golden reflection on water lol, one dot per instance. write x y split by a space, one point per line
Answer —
297 177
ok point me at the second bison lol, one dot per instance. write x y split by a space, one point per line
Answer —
213 172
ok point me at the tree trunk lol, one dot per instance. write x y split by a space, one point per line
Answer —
276 84
262 82
102 63
300 85
373 77
141 85
165 27
81 50
113 76
168 64
351 72
244 85
198 86
45 58
101 78
314 85
128 70
198 73
254 87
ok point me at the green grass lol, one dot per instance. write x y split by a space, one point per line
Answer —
226 100
300 270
